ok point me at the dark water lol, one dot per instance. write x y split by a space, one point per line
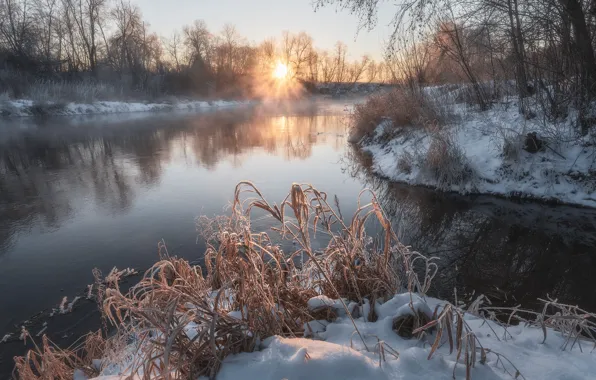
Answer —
82 193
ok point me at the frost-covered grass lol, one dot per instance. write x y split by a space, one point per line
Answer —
44 91
399 107
46 97
483 152
355 309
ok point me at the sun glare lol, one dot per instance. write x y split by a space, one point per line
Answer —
281 71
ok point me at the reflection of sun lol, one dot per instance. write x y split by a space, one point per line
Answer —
280 71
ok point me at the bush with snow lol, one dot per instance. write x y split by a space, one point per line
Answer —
400 106
446 164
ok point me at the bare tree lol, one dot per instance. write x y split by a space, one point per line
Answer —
357 69
174 49
86 18
46 16
297 50
17 28
197 39
453 42
339 58
327 67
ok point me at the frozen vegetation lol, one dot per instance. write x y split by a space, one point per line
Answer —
352 310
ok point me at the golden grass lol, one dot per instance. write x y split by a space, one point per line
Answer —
179 320
401 106
47 361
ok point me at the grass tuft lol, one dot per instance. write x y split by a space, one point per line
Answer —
402 107
405 325
446 163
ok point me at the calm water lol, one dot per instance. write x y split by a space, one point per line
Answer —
97 192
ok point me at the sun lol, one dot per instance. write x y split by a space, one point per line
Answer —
280 71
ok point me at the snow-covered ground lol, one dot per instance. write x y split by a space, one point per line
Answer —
334 351
31 108
564 170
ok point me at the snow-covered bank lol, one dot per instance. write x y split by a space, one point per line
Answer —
490 152
31 108
334 351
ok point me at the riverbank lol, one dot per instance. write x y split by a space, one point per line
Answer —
499 151
24 108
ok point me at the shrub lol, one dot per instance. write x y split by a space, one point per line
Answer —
405 162
401 106
81 92
445 162
46 108
512 147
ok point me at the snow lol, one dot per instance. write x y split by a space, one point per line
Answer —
340 354
562 172
323 301
337 353
23 107
301 359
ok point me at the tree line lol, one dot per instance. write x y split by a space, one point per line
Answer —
545 48
108 41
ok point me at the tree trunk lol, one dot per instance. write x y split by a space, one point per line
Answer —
521 78
583 43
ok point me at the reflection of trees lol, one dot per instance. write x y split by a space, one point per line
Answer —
46 174
513 252
288 136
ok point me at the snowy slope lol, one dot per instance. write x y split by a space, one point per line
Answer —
565 171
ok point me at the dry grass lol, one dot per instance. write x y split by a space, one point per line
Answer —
406 325
249 273
446 163
575 324
512 147
181 321
452 329
401 106
62 91
405 162
47 361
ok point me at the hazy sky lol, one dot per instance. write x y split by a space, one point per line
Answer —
260 19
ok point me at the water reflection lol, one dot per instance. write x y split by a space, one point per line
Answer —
514 252
79 193
49 171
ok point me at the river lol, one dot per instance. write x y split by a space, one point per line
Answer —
98 192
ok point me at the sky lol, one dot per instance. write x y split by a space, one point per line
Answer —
260 19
